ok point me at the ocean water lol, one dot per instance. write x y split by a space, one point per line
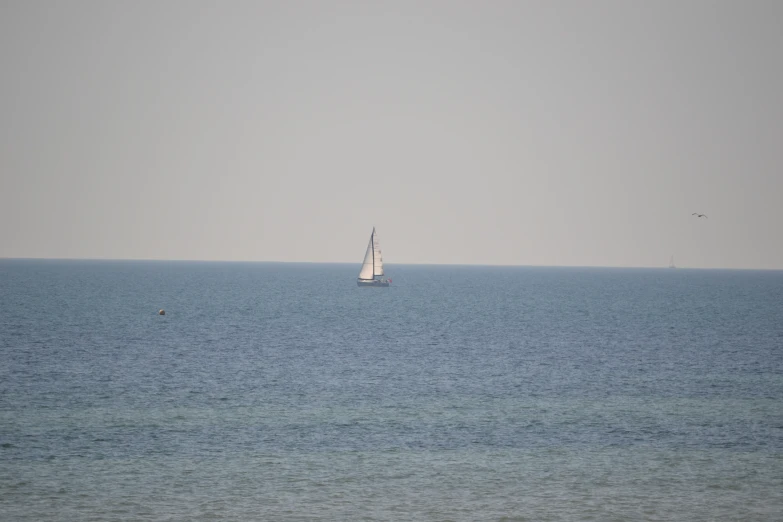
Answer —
284 392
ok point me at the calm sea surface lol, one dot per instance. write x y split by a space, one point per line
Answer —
285 392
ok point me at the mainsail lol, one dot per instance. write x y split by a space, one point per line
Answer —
377 257
373 260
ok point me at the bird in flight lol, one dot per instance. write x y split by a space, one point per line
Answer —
699 215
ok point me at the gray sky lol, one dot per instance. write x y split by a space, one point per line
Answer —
502 132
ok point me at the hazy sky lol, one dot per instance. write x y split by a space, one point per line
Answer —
498 132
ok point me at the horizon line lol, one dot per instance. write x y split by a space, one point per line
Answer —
158 260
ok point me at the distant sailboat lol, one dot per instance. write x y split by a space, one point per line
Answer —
371 273
671 262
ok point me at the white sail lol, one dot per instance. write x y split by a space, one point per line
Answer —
371 273
367 266
378 258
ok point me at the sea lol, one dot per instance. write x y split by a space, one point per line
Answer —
282 391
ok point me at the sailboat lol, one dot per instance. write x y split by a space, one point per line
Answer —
371 273
671 262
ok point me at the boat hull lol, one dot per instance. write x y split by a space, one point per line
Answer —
375 283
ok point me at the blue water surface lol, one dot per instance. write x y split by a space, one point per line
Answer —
275 391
